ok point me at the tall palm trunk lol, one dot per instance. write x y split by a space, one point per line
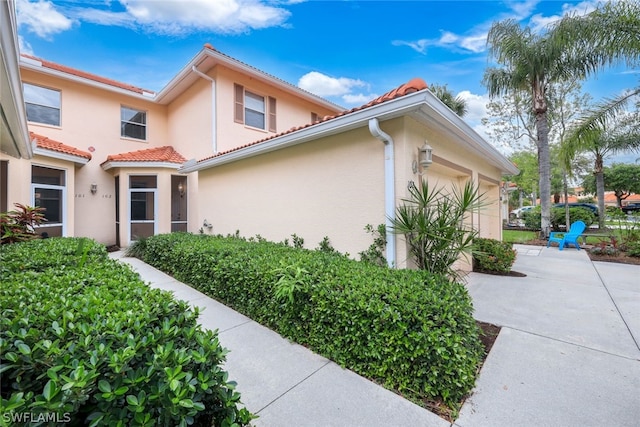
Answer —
544 170
599 172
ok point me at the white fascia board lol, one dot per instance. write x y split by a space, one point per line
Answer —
32 65
473 141
60 156
112 165
245 69
10 56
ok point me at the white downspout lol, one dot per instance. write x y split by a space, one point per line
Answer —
214 136
389 187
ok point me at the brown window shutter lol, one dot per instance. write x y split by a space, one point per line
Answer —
238 113
272 114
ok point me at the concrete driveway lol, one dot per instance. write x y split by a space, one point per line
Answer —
568 352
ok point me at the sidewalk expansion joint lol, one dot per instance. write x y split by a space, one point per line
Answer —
634 358
635 341
292 387
236 326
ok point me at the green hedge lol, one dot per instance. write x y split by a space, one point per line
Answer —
493 255
532 217
83 339
408 330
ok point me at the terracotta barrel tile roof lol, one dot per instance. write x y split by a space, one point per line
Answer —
160 154
49 144
413 85
89 76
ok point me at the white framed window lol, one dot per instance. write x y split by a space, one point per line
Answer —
49 191
254 110
133 123
42 104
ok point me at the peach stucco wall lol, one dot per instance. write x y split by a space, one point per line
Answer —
334 187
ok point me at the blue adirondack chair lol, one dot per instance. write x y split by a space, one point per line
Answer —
565 238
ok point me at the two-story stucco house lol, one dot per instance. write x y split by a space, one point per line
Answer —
226 147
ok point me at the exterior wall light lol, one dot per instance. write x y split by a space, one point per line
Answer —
93 188
181 189
425 157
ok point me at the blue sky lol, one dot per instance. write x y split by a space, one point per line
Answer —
346 51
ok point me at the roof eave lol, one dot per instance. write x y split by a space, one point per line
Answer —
167 94
111 164
14 117
60 156
32 65
422 104
436 111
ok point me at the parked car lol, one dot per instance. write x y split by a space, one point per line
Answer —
593 208
630 208
519 211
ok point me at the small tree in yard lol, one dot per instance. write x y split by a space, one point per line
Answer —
433 223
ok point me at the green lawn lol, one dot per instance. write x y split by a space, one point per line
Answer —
524 236
518 236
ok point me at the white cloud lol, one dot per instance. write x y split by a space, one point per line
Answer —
323 85
162 17
24 46
346 89
476 105
41 18
180 17
539 23
358 99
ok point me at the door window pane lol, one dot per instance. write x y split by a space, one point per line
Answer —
41 175
142 206
149 181
51 200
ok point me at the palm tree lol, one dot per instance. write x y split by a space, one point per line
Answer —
601 132
574 47
457 104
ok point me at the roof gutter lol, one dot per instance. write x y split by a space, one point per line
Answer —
214 133
389 188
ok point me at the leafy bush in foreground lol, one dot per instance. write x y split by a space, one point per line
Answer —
411 331
81 336
493 255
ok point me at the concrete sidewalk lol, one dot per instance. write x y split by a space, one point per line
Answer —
568 351
285 383
567 354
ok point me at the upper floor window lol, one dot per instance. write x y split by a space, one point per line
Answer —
133 123
254 110
43 104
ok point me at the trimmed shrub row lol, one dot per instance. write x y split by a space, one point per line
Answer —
411 331
82 338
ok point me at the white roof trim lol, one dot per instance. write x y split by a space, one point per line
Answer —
60 156
12 102
422 104
149 164
33 65
235 64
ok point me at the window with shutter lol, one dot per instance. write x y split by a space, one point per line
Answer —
238 114
272 114
254 110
